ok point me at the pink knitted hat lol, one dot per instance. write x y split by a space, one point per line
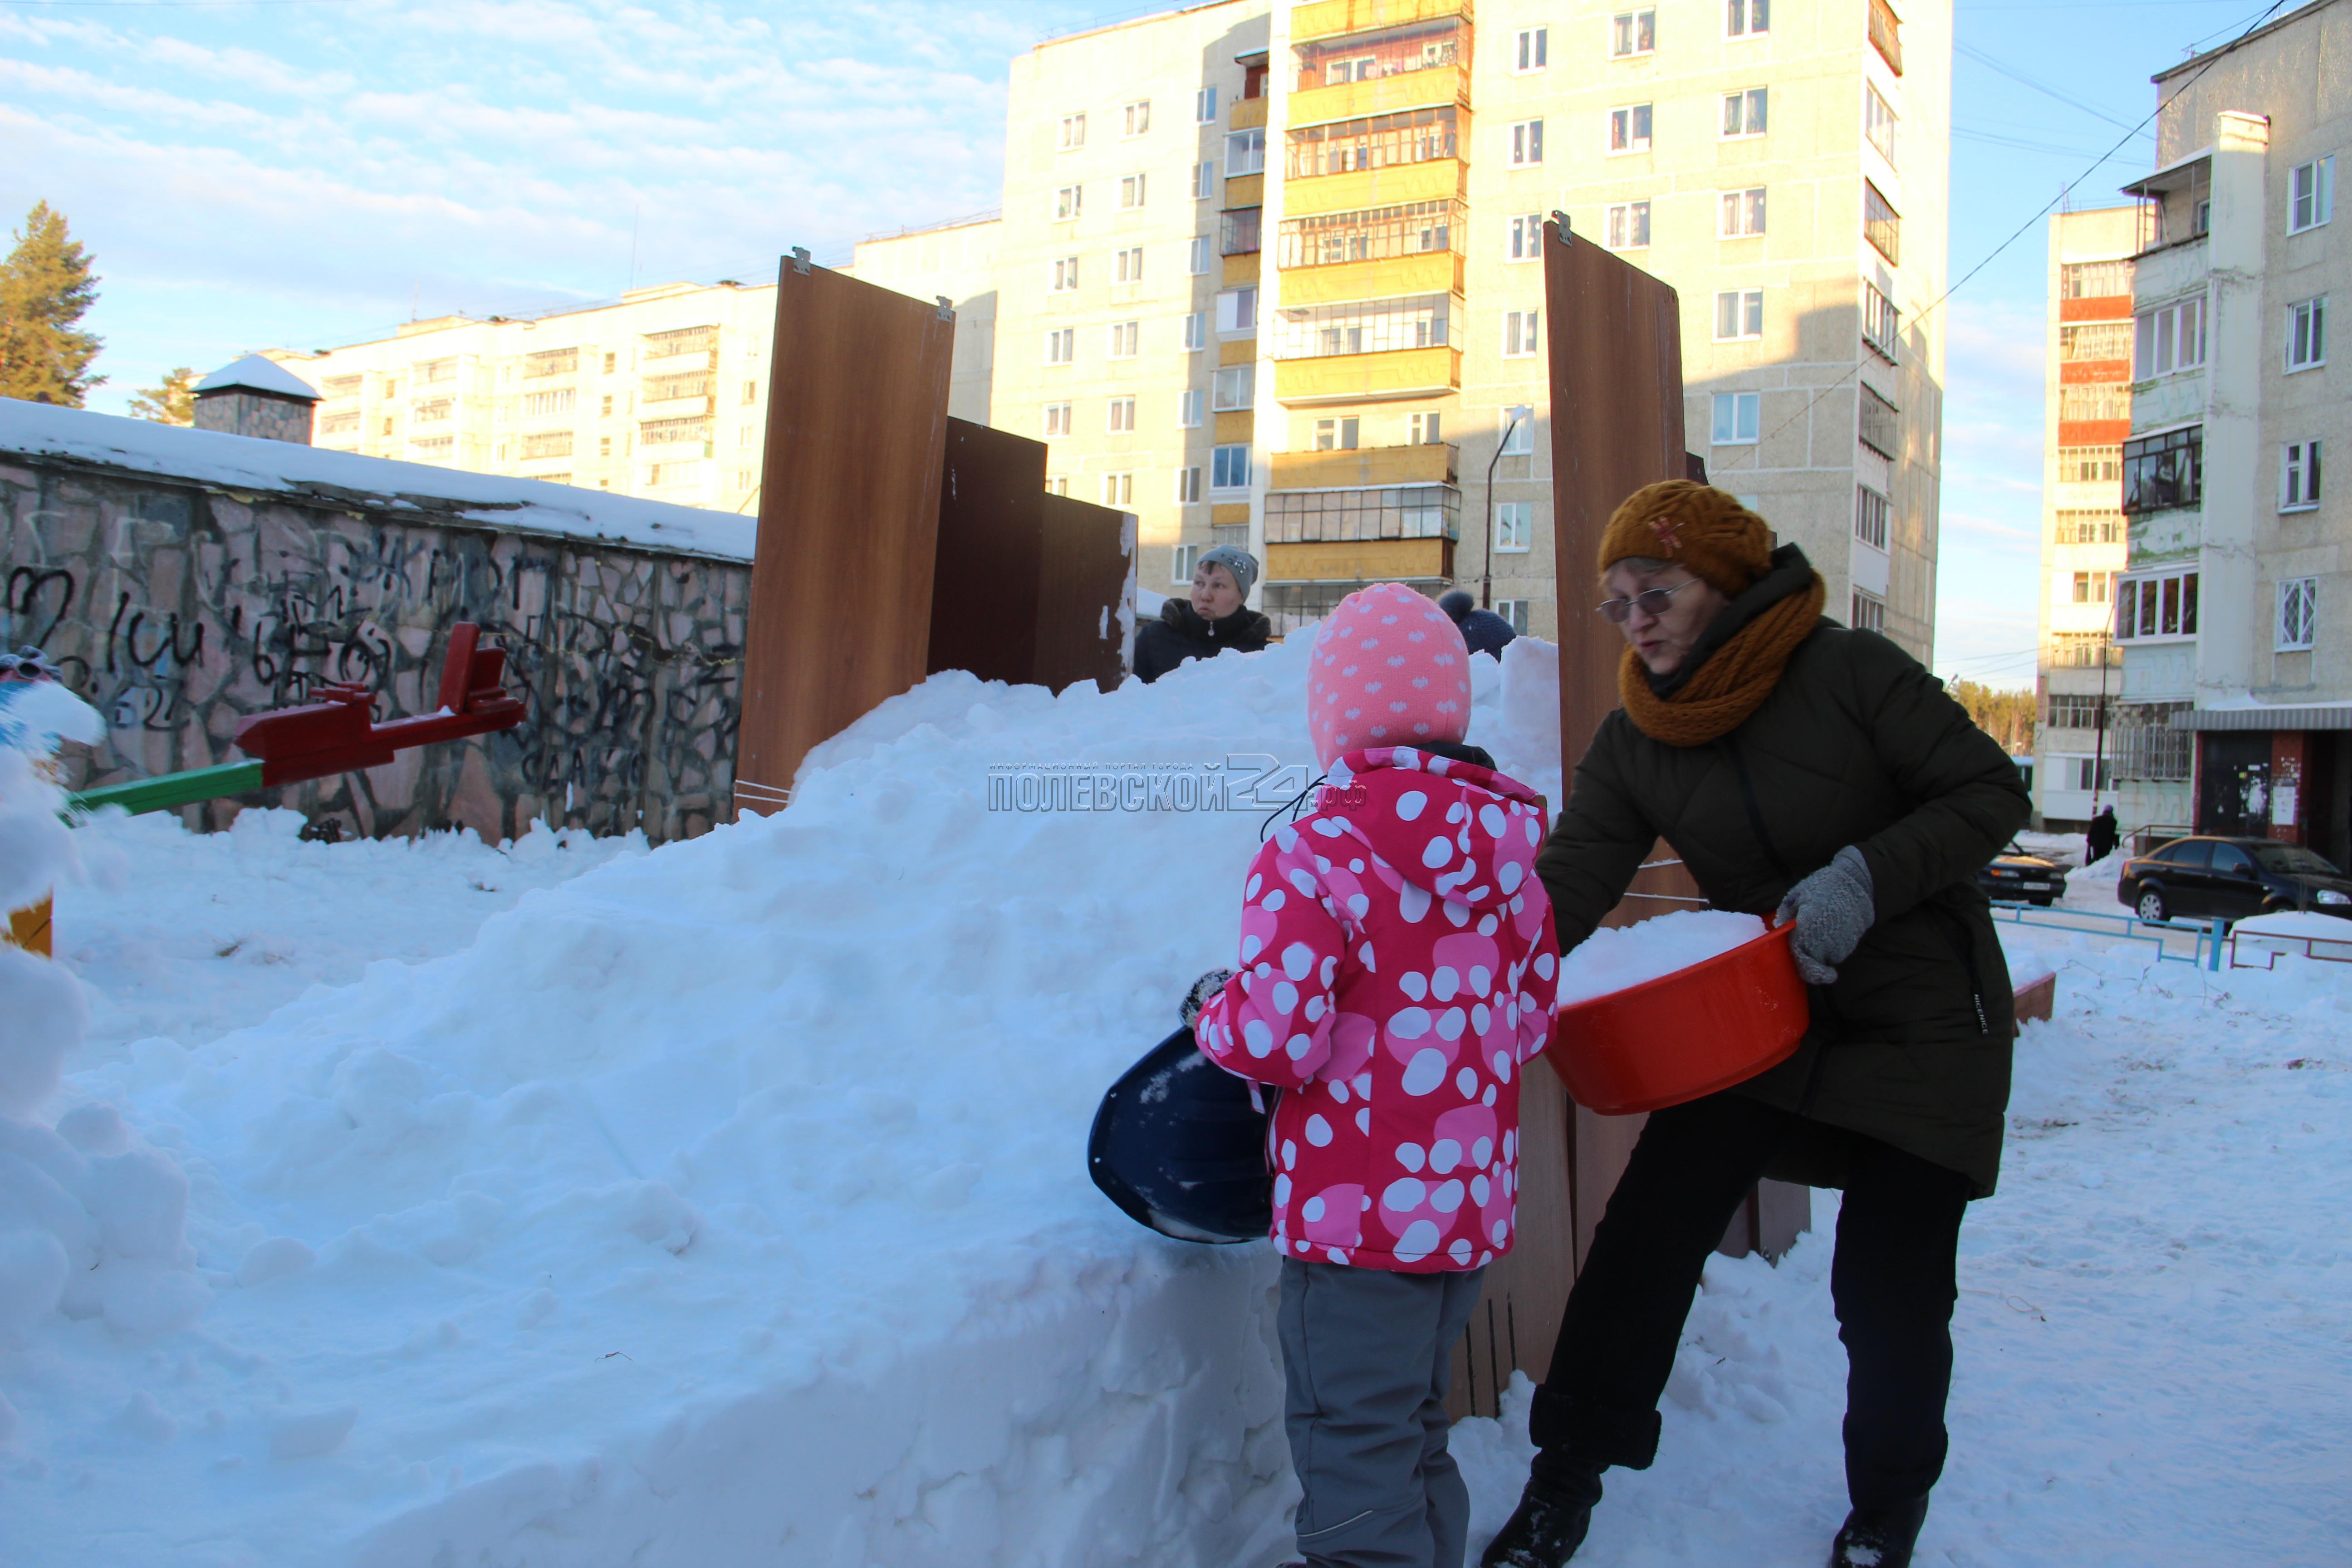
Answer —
1390 669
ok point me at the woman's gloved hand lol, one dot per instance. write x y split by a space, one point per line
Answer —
1203 990
1833 909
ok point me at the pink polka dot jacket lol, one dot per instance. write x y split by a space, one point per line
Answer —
1397 971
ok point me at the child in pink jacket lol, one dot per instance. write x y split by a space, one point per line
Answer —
1398 969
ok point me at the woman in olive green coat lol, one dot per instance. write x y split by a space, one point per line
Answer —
1806 772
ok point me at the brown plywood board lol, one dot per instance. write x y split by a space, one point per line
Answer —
1085 594
985 598
849 500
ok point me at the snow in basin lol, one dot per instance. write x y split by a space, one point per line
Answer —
1615 958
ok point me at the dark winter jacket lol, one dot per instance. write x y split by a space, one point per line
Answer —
1181 634
1857 745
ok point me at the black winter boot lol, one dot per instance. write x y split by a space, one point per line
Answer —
1879 1537
1554 1512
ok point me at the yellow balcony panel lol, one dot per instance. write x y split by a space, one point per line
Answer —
1237 350
1236 428
1365 467
1247 113
1340 18
1226 513
1369 378
1432 179
1365 561
1380 95
1242 269
1244 191
1430 272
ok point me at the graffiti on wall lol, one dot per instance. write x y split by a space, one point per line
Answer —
177 612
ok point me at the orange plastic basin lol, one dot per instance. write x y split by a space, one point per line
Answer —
1717 1022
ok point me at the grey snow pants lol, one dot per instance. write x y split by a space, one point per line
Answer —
1366 1354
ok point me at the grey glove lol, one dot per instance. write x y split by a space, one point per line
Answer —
1833 909
1204 990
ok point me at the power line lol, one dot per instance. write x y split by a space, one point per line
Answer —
2019 77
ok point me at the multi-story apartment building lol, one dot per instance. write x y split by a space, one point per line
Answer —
2232 609
1327 339
661 394
2085 415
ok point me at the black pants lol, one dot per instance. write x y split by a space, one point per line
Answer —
1892 1282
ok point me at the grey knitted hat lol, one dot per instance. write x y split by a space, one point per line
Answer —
1235 560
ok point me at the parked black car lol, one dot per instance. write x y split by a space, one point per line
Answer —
2018 877
2232 878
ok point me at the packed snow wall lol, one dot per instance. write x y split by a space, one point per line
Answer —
182 595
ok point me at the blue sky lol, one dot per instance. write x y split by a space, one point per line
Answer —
254 174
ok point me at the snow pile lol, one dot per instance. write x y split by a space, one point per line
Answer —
724 1196
1615 958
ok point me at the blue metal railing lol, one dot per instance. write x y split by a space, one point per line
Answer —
2209 934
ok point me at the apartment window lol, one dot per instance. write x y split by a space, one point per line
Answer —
1336 435
1126 338
2099 401
436 409
1869 612
1632 33
1741 213
1363 326
1235 388
536 404
1074 131
1130 192
603 444
1886 34
1739 314
1526 144
1204 107
1881 426
1237 310
1057 484
2088 527
1629 129
1188 408
2163 471
1118 489
1229 468
1196 257
1521 329
1245 151
1745 18
1520 426
751 392
2071 712
1527 237
1628 227
1882 327
2299 613
1067 202
1870 511
1066 274
1376 141
1426 429
1514 611
747 435
1128 264
1122 417
1738 418
2160 605
2106 341
2093 587
2310 194
1532 49
2095 279
1139 117
548 444
2306 334
2170 338
1240 233
1880 224
1205 180
1879 122
606 411
1374 234
2298 476
1185 557
1744 112
1062 345
609 361
1196 328
1514 526
1057 420
1187 486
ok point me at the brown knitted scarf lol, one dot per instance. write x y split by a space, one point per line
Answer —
1733 682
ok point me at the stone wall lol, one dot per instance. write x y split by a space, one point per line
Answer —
178 608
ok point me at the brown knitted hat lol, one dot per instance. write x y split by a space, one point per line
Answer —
1697 526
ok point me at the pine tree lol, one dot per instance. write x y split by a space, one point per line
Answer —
173 403
45 288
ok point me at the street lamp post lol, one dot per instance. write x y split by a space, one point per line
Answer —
1486 578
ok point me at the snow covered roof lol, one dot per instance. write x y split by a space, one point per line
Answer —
259 373
310 473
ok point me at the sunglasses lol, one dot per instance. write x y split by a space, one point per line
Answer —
1651 601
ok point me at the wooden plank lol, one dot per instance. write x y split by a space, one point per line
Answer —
991 552
841 581
1085 594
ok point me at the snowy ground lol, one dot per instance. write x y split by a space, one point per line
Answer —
723 1205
